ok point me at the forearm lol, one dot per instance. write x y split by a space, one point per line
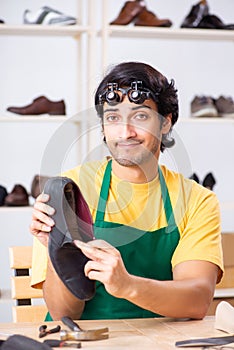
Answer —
184 298
59 300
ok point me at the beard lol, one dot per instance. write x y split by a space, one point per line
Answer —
136 156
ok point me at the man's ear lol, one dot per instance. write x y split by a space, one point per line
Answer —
166 125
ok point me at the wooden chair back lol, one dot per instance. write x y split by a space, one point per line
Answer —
26 308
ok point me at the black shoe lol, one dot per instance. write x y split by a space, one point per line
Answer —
3 194
73 221
195 177
209 181
213 22
196 14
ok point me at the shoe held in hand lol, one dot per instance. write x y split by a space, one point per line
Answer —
73 221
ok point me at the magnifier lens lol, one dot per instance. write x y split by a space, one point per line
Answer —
112 97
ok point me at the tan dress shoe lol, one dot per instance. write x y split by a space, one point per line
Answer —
41 105
148 18
129 12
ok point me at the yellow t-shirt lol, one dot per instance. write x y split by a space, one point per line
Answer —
196 211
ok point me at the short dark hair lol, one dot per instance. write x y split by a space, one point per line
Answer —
165 92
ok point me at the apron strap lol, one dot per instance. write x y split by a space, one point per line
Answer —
104 193
167 203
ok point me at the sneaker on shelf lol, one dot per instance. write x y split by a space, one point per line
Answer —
203 106
225 106
47 16
195 15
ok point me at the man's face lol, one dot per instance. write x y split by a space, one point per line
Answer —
132 131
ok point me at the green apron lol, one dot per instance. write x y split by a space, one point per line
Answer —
145 254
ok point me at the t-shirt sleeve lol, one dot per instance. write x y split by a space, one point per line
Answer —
39 264
201 235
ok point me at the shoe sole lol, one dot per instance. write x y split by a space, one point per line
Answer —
227 115
205 112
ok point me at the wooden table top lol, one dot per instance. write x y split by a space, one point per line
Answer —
144 334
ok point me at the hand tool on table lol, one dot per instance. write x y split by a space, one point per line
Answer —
81 334
54 343
213 341
43 330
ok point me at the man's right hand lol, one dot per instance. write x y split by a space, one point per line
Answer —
42 223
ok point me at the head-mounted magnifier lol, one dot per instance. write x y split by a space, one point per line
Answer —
136 93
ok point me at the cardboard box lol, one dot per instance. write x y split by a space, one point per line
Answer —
228 276
228 255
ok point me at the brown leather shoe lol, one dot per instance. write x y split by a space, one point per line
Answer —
148 18
41 105
18 197
129 12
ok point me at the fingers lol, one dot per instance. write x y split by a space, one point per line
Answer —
97 249
42 223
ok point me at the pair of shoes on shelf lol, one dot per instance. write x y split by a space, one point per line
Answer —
40 105
199 17
208 182
137 13
207 106
18 197
48 16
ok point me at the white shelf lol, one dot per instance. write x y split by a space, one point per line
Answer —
207 120
43 30
224 293
170 33
23 209
33 119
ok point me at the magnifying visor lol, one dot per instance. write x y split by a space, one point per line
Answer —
136 93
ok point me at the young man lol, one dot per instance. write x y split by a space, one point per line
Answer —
167 257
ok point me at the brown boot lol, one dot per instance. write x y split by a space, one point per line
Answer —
148 18
129 12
